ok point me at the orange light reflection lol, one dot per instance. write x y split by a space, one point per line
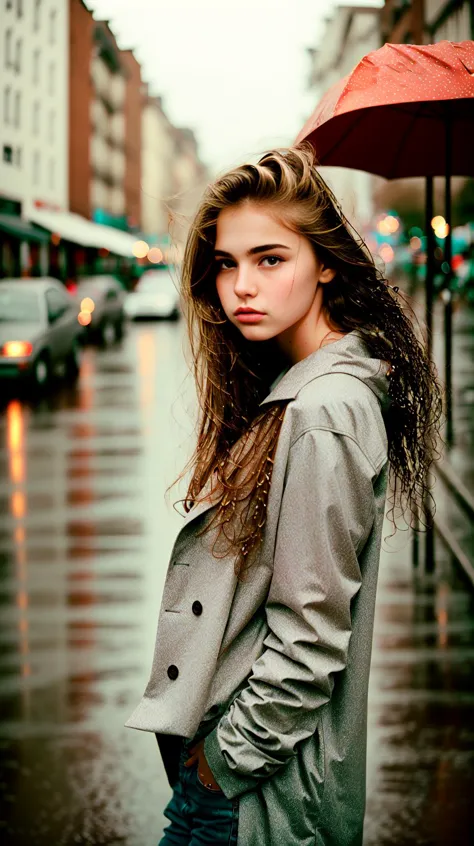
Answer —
18 504
19 535
14 426
22 599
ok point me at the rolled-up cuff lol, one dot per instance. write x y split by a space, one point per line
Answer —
230 782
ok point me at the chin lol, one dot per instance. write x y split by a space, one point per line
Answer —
255 332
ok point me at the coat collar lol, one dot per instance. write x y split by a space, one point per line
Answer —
347 355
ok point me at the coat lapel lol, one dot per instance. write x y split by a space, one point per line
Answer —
338 356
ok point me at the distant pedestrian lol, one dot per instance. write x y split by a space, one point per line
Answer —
314 394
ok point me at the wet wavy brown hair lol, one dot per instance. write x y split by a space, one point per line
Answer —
237 441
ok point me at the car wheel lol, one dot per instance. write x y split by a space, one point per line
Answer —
73 361
41 373
108 334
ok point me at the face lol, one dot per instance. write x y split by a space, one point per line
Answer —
267 276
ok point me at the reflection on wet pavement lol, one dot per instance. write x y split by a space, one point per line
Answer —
85 535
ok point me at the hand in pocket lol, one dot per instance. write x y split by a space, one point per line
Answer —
204 772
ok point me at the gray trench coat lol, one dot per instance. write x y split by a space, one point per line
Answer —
274 671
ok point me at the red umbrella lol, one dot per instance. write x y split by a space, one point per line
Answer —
405 110
389 116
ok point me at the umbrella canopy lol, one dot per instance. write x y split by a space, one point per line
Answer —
392 114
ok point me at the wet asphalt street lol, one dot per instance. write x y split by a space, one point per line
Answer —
85 535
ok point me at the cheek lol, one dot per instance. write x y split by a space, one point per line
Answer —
294 290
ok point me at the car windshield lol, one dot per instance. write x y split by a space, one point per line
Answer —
17 306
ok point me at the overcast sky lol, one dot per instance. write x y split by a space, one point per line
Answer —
235 71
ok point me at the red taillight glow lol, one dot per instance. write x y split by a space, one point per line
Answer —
17 349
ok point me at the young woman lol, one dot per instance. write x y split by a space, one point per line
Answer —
314 391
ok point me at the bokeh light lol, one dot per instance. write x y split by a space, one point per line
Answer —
87 305
155 255
386 253
84 318
388 225
442 230
140 249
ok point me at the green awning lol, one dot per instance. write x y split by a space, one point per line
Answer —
19 228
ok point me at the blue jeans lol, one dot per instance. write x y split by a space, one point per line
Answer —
198 816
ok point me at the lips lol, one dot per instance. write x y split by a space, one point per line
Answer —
249 315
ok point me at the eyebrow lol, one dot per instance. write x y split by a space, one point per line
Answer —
254 250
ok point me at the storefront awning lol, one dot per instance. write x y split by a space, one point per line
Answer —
78 230
21 229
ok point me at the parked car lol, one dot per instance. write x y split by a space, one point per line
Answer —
100 301
155 295
39 333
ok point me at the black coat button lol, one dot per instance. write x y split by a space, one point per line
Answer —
197 608
173 672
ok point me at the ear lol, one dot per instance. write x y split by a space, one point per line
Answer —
327 274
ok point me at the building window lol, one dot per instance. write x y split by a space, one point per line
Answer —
36 167
19 8
51 78
52 26
36 118
52 126
7 99
51 174
18 56
18 156
36 15
7 153
8 48
8 4
17 111
36 67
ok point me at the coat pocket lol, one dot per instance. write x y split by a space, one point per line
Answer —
175 586
290 800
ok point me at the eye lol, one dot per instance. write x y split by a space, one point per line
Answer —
224 264
274 261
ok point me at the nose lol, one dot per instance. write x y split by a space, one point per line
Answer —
245 284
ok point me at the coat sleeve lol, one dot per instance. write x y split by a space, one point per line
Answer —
326 514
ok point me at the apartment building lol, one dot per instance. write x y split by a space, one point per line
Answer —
33 121
97 92
157 176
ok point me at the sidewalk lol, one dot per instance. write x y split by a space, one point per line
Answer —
421 702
